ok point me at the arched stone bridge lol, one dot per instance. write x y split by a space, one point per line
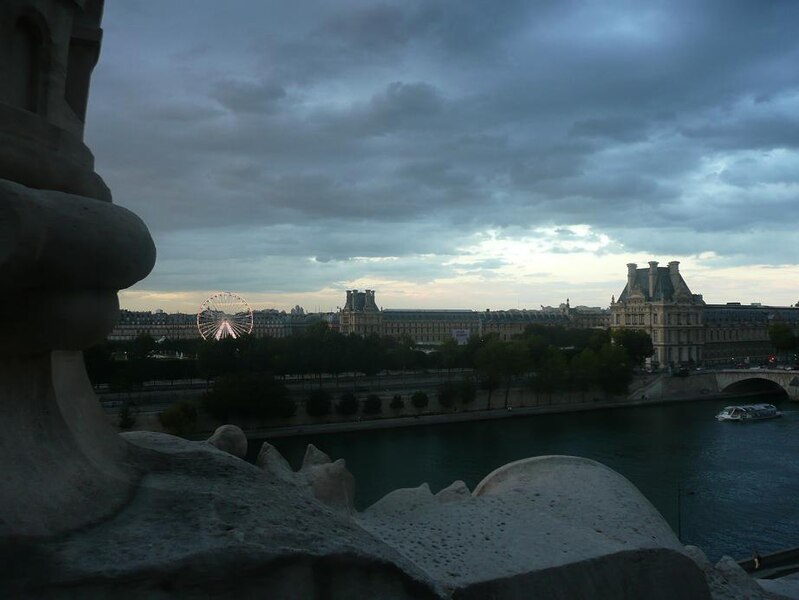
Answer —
754 380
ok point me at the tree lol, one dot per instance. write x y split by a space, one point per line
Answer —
584 369
782 337
404 353
450 354
419 400
127 415
372 405
615 369
514 362
318 403
488 361
248 395
397 403
142 346
467 391
179 417
551 372
447 394
347 404
636 342
217 358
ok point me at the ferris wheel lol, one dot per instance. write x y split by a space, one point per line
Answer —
224 315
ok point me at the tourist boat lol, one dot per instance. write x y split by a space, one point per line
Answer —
748 412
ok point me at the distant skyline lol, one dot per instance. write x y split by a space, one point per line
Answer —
452 154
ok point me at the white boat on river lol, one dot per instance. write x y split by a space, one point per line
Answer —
748 412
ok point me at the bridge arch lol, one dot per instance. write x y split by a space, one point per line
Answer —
755 384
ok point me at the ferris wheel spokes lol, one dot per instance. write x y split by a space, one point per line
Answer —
224 315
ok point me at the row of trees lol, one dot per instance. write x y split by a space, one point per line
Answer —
546 353
249 373
548 359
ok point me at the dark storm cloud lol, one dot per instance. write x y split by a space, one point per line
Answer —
248 96
646 121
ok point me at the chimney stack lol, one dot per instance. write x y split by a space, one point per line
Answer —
674 273
653 274
631 268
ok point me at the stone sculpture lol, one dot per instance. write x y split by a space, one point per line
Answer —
87 513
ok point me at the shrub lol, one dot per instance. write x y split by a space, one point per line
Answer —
347 404
372 405
179 417
283 407
468 391
397 403
318 404
419 400
127 415
447 394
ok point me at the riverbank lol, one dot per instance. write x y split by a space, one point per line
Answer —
520 401
258 434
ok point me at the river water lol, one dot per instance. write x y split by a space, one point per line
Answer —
728 488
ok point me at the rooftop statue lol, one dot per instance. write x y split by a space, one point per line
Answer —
88 513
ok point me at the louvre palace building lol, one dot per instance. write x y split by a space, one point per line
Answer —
686 330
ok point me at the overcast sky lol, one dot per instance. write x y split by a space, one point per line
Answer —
456 154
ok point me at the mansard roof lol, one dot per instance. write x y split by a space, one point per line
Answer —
720 314
524 316
664 288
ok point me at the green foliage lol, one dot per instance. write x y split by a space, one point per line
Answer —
419 400
372 405
502 361
584 369
467 391
179 417
637 343
447 395
397 403
782 337
127 415
551 373
347 404
318 404
142 346
248 395
615 369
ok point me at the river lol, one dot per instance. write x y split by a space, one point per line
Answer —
728 488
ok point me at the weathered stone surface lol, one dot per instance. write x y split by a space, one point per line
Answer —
230 439
559 527
783 588
314 456
204 524
332 484
62 465
40 155
727 580
273 463
455 492
52 240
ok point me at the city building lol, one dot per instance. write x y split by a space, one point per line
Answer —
657 300
158 324
361 316
686 330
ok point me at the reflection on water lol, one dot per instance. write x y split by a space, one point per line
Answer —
737 483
